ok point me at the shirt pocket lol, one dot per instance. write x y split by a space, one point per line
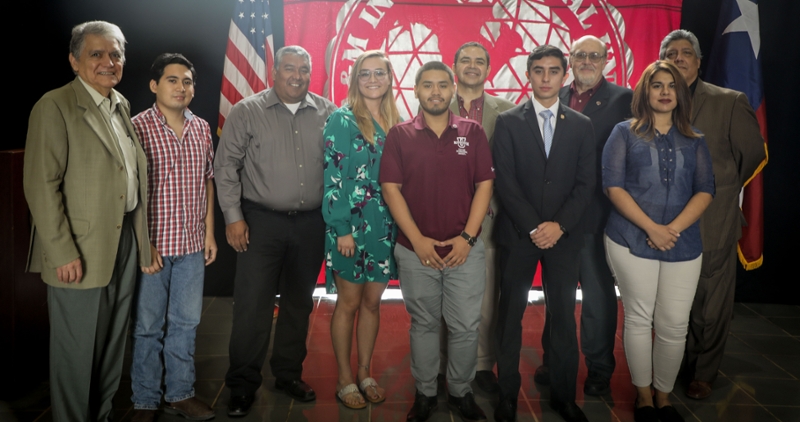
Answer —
640 155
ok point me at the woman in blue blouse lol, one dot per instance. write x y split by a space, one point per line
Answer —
360 231
657 173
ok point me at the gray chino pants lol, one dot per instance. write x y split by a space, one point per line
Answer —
455 294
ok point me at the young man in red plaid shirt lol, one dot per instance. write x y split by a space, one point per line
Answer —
169 296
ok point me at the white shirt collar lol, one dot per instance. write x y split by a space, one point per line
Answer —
538 107
98 97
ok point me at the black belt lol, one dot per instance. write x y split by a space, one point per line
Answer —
292 213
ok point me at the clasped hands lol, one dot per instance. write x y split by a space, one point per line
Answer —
546 235
661 237
424 247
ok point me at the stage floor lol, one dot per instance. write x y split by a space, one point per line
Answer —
759 378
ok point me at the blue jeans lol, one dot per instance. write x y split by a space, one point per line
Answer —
173 296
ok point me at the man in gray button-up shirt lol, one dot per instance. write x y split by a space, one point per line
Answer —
269 182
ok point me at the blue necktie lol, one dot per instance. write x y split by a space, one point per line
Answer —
548 131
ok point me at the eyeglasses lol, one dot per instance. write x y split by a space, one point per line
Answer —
593 57
673 54
366 75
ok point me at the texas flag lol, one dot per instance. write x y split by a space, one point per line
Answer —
735 63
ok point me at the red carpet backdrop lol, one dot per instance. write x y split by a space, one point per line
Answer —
414 32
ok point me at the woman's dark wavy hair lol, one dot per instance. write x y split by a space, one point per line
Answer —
643 122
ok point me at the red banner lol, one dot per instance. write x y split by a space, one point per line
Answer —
413 32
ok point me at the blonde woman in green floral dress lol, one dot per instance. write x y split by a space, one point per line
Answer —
360 231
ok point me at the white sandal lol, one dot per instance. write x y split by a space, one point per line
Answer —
348 390
370 382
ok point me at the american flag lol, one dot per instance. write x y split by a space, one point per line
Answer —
249 55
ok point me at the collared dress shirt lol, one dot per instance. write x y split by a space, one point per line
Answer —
661 175
271 156
538 108
578 101
109 107
176 180
475 109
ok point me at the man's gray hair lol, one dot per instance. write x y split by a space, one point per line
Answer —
104 29
679 34
291 49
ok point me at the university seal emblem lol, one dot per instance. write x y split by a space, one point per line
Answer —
414 32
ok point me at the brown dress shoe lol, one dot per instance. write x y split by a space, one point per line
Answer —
143 415
699 390
191 408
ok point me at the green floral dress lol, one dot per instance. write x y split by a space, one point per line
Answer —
353 204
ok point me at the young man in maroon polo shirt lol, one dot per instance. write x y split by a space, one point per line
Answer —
436 176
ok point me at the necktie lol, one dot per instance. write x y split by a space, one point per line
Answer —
548 131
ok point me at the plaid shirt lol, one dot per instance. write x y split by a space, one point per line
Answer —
177 171
475 109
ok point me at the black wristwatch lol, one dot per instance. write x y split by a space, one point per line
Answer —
470 240
563 230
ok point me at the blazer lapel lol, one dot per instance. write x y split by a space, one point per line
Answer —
454 105
563 95
94 118
698 98
490 113
560 129
533 122
598 101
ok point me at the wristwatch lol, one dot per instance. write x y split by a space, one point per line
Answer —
563 229
470 240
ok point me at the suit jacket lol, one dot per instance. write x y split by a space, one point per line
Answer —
75 183
533 188
608 106
492 107
737 150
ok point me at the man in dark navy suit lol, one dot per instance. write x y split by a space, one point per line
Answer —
544 157
606 105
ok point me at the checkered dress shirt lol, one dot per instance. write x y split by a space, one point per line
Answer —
475 109
177 170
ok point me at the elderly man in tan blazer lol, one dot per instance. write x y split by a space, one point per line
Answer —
85 181
729 125
471 68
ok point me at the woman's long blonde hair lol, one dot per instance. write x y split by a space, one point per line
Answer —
643 122
355 100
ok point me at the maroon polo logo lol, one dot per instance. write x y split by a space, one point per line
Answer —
461 143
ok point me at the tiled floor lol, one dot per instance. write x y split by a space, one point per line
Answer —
759 378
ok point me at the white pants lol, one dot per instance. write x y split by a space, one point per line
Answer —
655 294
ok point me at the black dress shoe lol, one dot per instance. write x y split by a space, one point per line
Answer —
542 375
296 389
487 381
506 411
669 414
466 407
240 405
568 410
596 385
645 414
422 409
